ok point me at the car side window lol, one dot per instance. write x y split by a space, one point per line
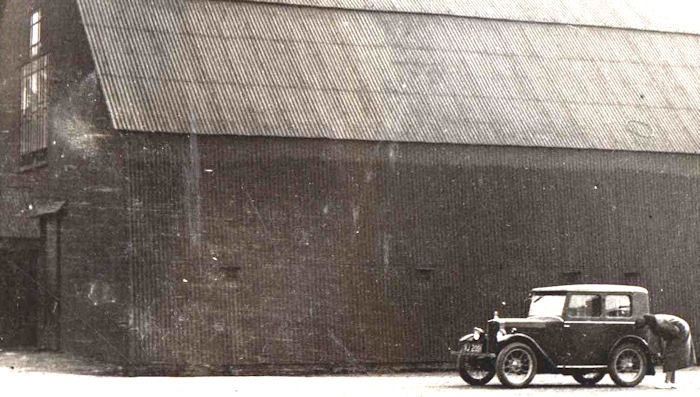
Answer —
584 306
618 306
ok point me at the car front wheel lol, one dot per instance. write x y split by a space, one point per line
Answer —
473 373
628 365
516 365
589 378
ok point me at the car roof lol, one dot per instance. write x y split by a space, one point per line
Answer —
592 288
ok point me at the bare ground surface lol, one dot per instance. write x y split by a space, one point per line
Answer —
32 373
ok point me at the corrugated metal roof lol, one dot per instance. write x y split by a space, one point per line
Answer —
661 15
257 69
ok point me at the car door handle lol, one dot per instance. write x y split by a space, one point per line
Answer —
567 325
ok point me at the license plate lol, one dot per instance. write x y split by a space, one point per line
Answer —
472 348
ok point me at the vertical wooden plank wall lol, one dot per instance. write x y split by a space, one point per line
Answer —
351 254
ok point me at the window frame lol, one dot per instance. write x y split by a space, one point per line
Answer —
631 307
570 297
34 137
561 314
35 46
34 112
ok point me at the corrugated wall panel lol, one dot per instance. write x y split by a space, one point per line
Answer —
349 254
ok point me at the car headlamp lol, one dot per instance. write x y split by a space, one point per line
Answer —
477 333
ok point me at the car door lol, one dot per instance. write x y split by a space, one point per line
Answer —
584 327
550 338
617 319
545 325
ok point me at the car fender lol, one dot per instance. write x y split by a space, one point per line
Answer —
630 338
510 338
466 338
634 339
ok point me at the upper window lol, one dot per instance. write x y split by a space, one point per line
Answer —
583 306
33 102
618 306
35 34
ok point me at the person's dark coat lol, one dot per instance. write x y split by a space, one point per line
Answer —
679 351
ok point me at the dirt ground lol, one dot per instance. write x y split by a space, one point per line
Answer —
60 374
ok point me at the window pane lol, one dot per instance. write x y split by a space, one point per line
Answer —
618 306
581 306
546 305
35 84
34 35
25 100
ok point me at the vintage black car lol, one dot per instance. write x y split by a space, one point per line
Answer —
586 331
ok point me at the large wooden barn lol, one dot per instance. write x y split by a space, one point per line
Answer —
256 186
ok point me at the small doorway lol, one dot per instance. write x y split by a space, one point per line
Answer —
19 294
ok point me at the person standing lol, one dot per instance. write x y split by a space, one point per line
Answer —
678 351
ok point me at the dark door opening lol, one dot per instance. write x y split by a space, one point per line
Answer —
19 298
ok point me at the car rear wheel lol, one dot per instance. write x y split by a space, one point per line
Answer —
516 365
473 373
589 378
628 365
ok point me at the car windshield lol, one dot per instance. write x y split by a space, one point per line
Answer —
546 305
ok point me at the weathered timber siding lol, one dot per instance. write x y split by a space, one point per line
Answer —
251 251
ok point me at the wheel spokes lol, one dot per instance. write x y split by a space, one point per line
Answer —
475 371
518 365
629 365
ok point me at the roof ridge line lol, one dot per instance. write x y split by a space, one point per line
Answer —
284 3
